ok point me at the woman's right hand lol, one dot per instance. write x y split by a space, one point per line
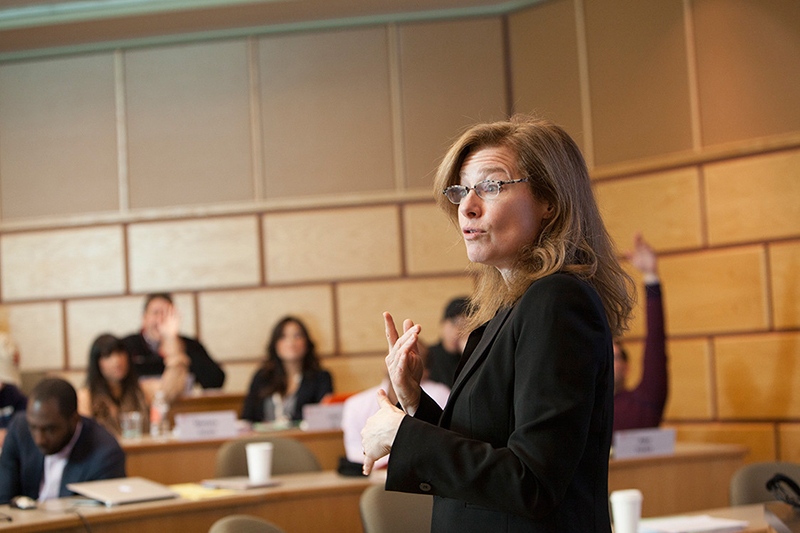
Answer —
404 363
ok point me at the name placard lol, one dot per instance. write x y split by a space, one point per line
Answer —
321 416
205 425
643 443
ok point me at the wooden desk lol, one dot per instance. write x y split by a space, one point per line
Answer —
207 400
316 501
695 478
172 461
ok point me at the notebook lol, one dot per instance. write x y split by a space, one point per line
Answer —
122 490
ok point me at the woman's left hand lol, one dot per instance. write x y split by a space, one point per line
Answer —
379 433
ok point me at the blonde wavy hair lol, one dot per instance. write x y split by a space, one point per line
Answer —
574 240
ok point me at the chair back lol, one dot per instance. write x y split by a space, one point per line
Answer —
384 511
288 457
241 523
749 483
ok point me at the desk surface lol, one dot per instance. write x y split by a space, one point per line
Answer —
333 498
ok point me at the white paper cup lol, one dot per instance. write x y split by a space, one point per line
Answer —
626 507
131 423
259 462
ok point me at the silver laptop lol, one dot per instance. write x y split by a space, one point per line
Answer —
122 490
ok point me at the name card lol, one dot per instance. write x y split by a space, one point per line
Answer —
205 425
322 416
643 443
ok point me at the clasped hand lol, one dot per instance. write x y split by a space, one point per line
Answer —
405 372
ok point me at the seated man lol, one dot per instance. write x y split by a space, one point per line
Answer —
50 445
443 358
158 346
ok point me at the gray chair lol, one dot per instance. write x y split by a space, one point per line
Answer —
241 523
749 483
288 457
384 511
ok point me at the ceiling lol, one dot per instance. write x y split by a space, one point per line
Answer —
30 28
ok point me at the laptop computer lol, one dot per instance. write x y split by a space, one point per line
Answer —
122 490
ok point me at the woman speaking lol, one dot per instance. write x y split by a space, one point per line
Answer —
523 442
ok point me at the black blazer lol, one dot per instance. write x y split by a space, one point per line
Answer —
96 455
147 362
523 442
312 389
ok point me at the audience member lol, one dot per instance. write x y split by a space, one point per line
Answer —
158 347
112 387
443 358
523 442
359 407
11 399
643 406
50 445
290 377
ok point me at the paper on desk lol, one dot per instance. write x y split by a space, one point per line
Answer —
195 491
691 524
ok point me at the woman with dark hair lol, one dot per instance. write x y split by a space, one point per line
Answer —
523 442
112 387
290 377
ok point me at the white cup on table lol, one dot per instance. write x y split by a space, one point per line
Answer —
626 508
259 462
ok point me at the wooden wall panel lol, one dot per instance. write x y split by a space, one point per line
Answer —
665 207
759 438
784 262
331 244
361 304
192 254
753 198
188 124
690 393
544 62
432 243
326 112
758 376
789 441
715 291
747 68
639 79
38 329
353 374
452 75
238 324
58 154
62 263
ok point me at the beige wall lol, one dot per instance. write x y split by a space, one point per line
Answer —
291 173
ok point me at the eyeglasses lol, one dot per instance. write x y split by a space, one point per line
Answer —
486 189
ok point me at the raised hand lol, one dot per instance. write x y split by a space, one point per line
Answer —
643 257
378 435
404 363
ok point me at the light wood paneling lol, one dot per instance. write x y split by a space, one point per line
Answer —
690 394
239 375
784 261
238 324
789 441
638 79
360 306
87 319
544 62
188 123
38 330
715 291
433 244
452 75
332 244
354 374
62 263
200 253
759 438
753 198
758 376
326 112
665 207
58 154
747 67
